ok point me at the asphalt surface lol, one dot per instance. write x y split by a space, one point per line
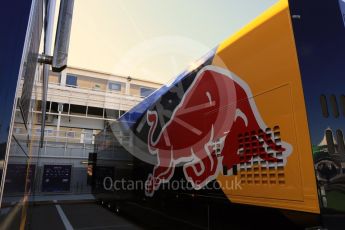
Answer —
77 216
84 216
92 216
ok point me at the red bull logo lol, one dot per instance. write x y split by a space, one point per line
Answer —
217 108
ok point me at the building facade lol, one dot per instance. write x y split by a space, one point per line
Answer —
80 104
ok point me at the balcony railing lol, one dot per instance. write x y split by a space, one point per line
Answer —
54 136
88 97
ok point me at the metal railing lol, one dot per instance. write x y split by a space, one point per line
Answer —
87 96
55 136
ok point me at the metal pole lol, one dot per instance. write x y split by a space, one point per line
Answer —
48 41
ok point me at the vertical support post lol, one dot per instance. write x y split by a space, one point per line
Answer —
60 109
128 85
48 41
127 89
63 78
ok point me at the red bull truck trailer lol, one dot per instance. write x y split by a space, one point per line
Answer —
253 129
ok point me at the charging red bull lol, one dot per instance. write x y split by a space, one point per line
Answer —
217 107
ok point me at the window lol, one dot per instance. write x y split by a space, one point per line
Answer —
334 105
70 134
49 132
95 111
77 109
324 106
71 80
342 99
37 132
96 87
111 114
54 108
114 86
144 92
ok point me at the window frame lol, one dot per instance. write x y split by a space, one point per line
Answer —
71 76
115 83
146 88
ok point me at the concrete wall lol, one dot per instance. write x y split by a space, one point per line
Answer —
54 78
